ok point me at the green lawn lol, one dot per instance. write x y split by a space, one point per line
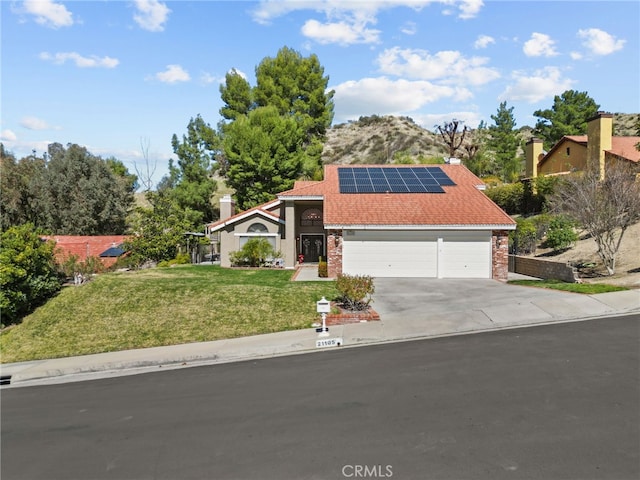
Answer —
585 288
164 306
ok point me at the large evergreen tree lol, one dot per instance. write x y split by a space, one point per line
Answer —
67 192
295 88
503 142
82 194
567 116
190 183
264 152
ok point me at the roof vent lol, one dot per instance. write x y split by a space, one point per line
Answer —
452 161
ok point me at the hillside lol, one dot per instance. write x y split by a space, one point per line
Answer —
376 139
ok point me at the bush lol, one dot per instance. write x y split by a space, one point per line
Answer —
253 253
561 233
323 269
523 239
509 197
355 291
28 274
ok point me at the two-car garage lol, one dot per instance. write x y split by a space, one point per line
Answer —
417 253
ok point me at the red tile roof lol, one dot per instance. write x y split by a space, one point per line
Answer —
85 246
625 147
461 205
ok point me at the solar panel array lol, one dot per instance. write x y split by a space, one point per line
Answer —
392 180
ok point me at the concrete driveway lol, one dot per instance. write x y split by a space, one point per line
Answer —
419 299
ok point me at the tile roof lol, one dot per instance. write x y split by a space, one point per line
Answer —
625 147
84 246
263 209
462 204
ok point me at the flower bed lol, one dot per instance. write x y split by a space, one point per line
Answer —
348 316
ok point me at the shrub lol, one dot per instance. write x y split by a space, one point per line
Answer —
253 253
355 291
509 197
28 276
523 239
323 269
561 233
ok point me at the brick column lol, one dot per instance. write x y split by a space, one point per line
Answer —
334 253
500 255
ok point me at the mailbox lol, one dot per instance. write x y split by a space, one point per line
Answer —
323 306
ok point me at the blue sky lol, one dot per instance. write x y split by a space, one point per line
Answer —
120 77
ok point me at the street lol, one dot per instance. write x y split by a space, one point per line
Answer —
547 402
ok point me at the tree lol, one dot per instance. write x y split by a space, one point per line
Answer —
605 208
157 232
236 95
503 141
476 158
265 154
451 137
28 274
82 195
567 116
21 190
295 87
190 182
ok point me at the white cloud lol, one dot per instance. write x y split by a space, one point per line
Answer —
539 45
542 84
576 56
173 74
207 79
383 96
600 42
448 65
92 61
8 136
409 28
342 33
151 15
34 123
48 13
483 41
348 21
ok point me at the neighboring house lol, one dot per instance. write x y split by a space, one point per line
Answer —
598 149
107 248
379 220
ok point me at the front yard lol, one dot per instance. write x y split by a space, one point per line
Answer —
164 306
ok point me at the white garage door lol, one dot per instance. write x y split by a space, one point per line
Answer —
390 253
417 254
465 255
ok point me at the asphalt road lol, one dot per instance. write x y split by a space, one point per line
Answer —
550 402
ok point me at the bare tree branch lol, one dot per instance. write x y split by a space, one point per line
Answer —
605 208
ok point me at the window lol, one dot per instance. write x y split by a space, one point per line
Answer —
568 151
257 228
311 216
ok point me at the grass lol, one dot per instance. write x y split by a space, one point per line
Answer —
169 306
584 288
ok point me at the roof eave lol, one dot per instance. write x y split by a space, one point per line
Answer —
491 226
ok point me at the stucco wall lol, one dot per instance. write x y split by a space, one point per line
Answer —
560 161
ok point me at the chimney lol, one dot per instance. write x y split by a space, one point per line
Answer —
533 154
599 134
227 207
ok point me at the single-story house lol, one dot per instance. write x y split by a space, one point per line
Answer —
107 248
597 149
379 220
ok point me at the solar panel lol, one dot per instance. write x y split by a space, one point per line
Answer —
393 180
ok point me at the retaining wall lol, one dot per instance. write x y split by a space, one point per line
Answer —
545 269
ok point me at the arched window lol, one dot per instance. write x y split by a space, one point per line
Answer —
311 216
257 228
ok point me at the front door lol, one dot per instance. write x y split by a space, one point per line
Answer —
312 248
